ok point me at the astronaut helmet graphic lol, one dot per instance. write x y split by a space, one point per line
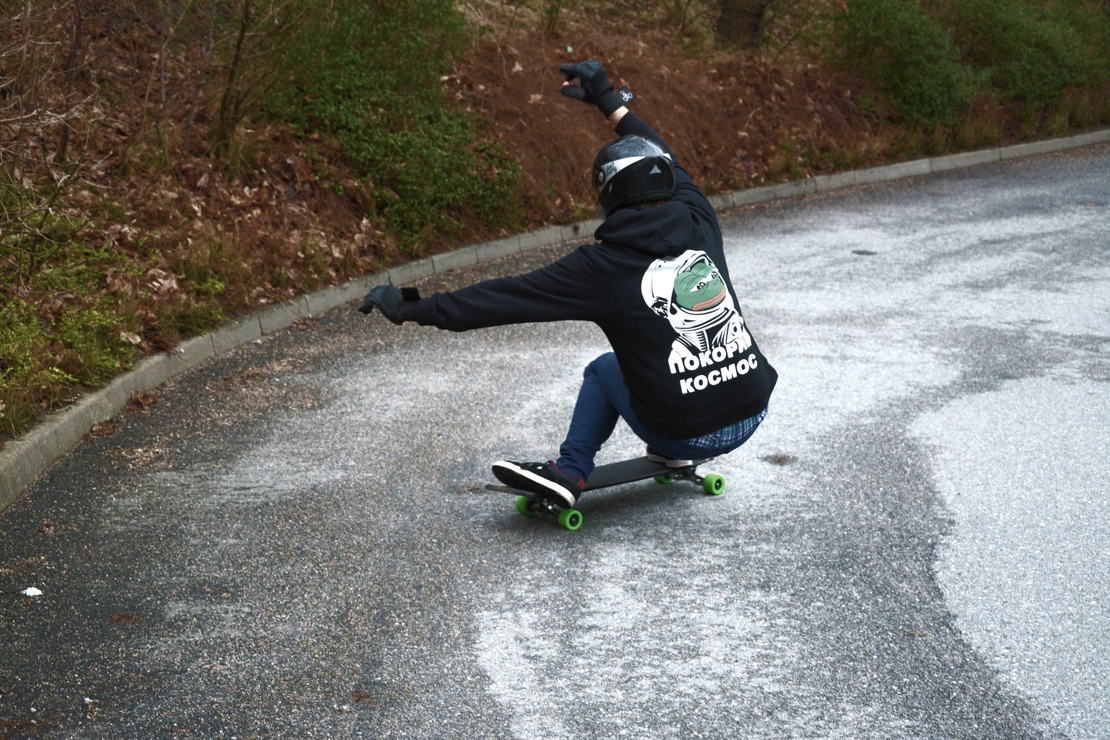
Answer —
690 292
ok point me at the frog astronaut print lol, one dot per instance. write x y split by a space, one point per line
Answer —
690 292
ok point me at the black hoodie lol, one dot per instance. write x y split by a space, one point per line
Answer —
658 286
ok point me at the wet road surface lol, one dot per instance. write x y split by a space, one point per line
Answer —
292 541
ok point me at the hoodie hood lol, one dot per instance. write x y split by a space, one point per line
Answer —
663 231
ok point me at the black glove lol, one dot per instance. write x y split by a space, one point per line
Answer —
395 305
596 88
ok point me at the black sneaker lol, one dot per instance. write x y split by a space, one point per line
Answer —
542 478
656 457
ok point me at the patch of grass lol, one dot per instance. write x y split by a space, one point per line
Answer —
79 306
843 158
426 167
212 265
983 125
1082 108
25 379
110 210
95 348
187 317
60 329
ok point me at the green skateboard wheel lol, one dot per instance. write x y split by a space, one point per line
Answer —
524 506
663 479
713 484
570 519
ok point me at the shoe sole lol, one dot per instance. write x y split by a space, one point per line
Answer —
532 483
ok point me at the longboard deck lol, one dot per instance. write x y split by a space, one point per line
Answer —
628 471
614 474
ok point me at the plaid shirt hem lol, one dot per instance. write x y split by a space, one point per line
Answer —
731 436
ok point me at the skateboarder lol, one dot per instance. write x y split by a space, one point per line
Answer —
685 373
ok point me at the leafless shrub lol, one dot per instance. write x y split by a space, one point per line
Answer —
44 110
254 40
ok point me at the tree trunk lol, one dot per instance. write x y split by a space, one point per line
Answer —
742 23
71 75
230 101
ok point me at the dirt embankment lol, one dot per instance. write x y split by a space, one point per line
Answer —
296 214
727 121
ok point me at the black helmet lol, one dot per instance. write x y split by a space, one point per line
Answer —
632 170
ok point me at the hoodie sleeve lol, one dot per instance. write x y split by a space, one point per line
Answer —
685 189
562 291
632 124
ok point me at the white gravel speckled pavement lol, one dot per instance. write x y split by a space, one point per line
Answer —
294 541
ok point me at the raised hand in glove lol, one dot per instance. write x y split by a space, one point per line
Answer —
595 87
396 305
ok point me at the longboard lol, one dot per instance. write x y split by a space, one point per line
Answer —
613 474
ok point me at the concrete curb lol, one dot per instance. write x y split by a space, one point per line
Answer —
23 460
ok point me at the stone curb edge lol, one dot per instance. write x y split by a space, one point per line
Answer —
24 459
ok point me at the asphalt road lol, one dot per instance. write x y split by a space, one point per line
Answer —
293 541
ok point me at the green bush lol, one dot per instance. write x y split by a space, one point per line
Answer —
1090 20
367 73
908 53
1025 53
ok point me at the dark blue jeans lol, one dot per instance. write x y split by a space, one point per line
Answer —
604 398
